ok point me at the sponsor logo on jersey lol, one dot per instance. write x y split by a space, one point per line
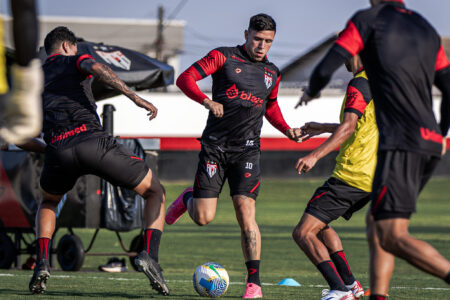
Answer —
430 135
116 58
211 168
69 133
238 70
268 79
233 92
247 175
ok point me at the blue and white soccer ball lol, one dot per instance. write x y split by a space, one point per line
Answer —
211 280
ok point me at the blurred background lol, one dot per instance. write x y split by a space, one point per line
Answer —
179 32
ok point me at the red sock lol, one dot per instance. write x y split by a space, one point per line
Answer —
331 276
340 261
152 238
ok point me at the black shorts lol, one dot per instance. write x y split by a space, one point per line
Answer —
103 157
241 168
336 199
399 178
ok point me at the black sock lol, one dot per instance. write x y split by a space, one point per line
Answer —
331 276
42 247
253 271
342 267
447 278
186 197
152 237
377 297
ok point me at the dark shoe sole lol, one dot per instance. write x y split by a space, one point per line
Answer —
155 284
38 286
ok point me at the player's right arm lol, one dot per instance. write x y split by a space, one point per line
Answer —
356 101
442 81
187 81
311 129
104 74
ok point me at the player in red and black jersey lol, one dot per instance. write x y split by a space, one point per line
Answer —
78 145
245 87
403 57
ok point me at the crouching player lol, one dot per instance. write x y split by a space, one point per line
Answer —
346 191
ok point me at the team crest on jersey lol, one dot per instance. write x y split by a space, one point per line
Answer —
116 58
211 168
268 80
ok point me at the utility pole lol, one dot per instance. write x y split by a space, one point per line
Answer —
159 34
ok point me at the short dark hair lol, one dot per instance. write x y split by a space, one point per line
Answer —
261 22
56 36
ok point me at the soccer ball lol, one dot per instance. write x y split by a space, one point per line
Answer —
210 280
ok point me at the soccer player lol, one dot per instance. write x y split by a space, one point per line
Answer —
21 115
78 145
403 57
347 190
245 87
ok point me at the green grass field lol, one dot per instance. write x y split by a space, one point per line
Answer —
279 207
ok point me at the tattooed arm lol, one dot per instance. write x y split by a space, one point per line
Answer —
107 76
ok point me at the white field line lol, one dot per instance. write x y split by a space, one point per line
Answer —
189 281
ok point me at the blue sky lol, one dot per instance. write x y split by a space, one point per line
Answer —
212 23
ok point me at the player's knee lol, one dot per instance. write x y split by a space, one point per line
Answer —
203 218
391 240
154 190
302 236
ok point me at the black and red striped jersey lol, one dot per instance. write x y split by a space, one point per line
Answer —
402 55
68 104
246 89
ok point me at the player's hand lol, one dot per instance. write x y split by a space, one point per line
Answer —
152 110
305 98
311 129
215 107
444 146
305 164
294 134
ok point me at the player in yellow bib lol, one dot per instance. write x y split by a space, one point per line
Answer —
347 190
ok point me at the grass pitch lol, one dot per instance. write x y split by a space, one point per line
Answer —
279 207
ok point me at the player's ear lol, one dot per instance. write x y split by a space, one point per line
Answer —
65 46
246 35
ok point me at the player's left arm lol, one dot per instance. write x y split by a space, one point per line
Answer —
350 42
104 74
442 81
275 117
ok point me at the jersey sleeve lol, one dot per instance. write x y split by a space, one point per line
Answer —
274 93
441 60
81 58
356 32
187 81
357 96
274 116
